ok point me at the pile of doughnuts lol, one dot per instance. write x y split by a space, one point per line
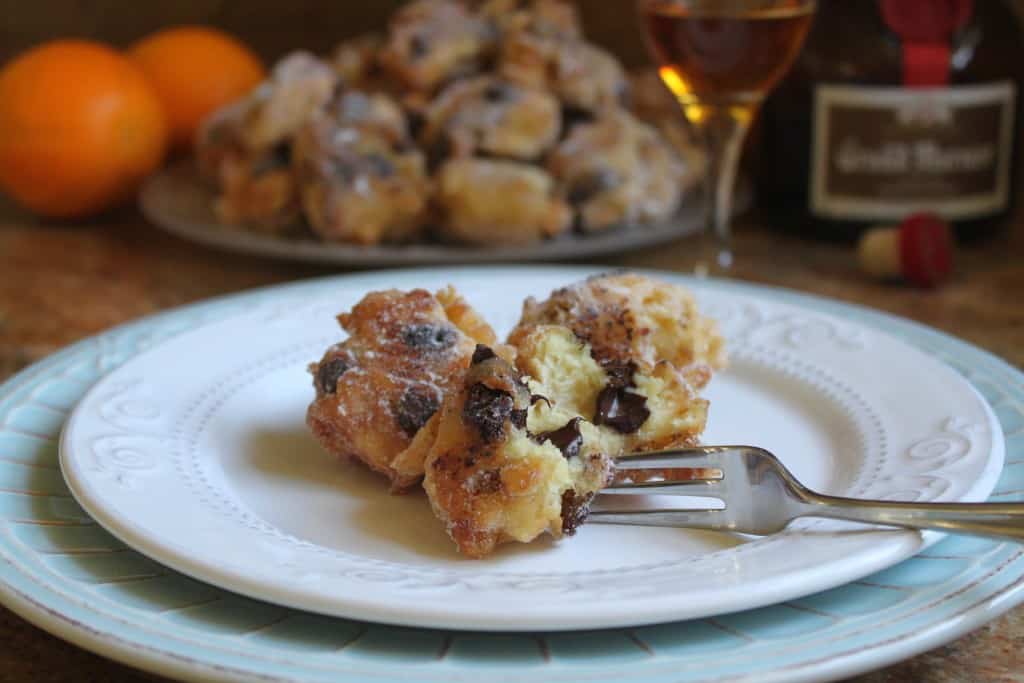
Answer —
482 123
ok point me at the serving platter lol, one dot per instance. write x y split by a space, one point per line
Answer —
176 201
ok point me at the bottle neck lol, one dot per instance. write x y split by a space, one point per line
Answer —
926 30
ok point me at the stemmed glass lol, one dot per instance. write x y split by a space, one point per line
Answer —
720 58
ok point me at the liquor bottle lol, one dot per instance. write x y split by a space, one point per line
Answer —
895 107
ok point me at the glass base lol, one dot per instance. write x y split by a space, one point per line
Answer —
715 260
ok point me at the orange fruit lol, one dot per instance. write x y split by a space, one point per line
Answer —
80 127
196 70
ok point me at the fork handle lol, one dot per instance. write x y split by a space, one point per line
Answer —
995 520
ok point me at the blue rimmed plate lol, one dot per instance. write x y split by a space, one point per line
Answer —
63 572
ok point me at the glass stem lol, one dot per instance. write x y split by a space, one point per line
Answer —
723 132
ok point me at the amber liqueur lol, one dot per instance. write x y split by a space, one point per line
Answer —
714 55
894 107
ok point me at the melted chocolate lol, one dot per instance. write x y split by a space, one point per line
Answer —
574 511
418 47
416 406
620 376
344 169
574 115
438 151
567 439
498 92
487 409
328 374
482 353
537 397
429 337
621 410
588 186
280 156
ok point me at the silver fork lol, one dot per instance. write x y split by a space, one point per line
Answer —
763 497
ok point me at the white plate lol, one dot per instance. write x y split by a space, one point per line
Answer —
195 453
177 201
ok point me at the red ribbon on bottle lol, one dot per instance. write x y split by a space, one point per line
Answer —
926 29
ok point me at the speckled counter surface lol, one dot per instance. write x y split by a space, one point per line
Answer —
62 282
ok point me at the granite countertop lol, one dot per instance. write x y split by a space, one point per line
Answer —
62 282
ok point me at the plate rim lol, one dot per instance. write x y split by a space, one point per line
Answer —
904 544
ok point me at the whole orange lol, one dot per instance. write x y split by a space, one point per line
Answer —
196 70
80 126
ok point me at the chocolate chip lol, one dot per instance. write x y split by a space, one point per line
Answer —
487 409
534 398
621 410
327 374
589 185
498 92
379 165
344 169
416 406
518 418
416 122
567 439
575 115
280 156
429 336
439 150
418 47
482 353
574 511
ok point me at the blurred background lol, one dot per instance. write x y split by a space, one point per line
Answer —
270 28
62 279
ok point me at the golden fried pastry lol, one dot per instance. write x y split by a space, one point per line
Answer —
432 41
354 60
488 116
553 18
378 388
374 113
255 189
491 478
486 201
617 170
218 142
581 75
258 192
629 317
243 150
357 186
299 85
630 406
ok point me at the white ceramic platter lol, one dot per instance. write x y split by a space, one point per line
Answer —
195 453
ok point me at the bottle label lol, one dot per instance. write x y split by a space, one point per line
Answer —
885 152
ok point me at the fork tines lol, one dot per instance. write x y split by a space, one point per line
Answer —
686 472
682 471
